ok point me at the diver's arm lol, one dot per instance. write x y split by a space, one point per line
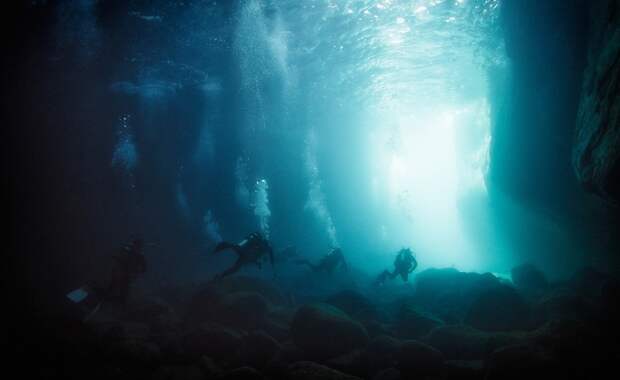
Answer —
415 265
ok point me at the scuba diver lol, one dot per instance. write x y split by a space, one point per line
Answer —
250 251
328 263
130 263
404 264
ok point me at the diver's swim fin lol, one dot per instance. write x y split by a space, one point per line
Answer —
88 300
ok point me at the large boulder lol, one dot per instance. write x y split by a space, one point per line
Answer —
563 306
243 309
213 340
258 349
416 359
448 293
352 363
519 362
241 373
323 331
412 324
267 290
387 374
499 309
528 278
588 281
463 369
239 310
306 370
461 342
381 352
178 372
354 304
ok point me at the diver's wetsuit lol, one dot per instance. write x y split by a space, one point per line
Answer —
130 264
404 264
251 251
328 263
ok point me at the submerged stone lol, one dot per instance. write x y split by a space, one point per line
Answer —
528 277
306 370
416 359
324 331
412 324
499 309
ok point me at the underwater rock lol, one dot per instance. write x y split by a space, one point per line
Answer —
588 281
558 306
155 312
324 331
239 283
463 369
458 341
352 363
412 324
518 362
572 340
290 353
448 293
277 322
381 353
241 373
383 346
136 351
375 328
416 359
388 374
213 340
244 310
258 349
528 278
354 304
461 342
499 309
118 330
596 156
209 368
610 299
178 373
306 370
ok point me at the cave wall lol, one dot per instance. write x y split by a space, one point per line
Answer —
532 139
539 205
596 151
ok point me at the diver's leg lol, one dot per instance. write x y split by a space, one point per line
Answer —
312 267
235 268
221 246
382 277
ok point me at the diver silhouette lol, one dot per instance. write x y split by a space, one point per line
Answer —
130 263
251 250
328 263
404 264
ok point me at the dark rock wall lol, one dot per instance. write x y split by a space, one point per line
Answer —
537 110
532 139
596 152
